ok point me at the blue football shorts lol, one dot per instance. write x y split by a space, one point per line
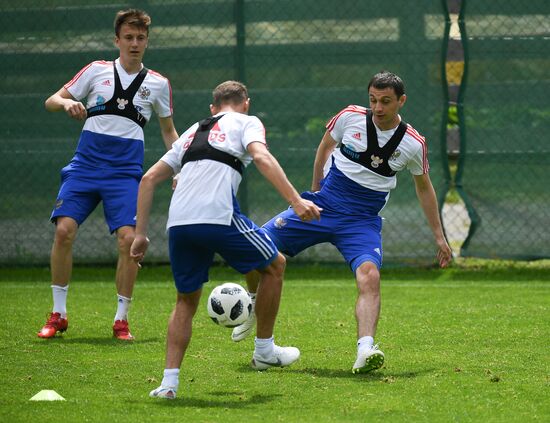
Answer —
243 245
80 194
357 238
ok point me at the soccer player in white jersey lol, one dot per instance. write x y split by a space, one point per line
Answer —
204 218
353 174
120 98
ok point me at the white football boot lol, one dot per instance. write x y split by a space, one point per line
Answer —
163 392
368 359
281 357
242 331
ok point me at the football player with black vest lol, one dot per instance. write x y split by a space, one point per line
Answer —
354 171
120 98
204 218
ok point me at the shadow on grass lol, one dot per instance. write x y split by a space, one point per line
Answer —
383 374
98 341
380 375
241 400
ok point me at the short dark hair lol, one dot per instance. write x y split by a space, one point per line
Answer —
385 79
133 17
229 92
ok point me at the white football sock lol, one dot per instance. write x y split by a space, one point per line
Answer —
60 300
122 308
264 347
171 378
365 342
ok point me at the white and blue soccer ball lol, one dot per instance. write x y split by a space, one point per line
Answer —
229 305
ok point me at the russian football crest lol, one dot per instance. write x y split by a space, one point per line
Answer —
395 155
144 92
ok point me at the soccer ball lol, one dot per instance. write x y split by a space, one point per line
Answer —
229 305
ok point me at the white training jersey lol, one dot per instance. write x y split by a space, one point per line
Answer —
206 189
95 84
350 128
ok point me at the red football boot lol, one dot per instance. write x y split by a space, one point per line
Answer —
122 331
53 325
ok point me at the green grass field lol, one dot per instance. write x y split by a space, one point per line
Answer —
466 344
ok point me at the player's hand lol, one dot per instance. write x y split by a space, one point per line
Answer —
306 210
75 109
138 248
444 253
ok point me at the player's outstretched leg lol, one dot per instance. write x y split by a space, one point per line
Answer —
243 331
368 359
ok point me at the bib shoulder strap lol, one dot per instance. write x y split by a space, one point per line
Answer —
201 149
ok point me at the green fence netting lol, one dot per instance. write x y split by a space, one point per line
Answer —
505 125
302 60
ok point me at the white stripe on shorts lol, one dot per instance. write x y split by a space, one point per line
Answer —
256 240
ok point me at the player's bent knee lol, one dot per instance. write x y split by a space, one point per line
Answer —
276 268
367 275
65 233
279 263
125 240
189 301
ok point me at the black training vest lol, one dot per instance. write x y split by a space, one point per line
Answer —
120 103
201 149
376 158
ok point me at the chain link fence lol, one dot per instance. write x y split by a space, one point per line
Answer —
303 61
505 121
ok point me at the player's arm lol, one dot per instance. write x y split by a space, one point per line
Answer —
168 131
269 167
428 200
63 100
156 174
326 147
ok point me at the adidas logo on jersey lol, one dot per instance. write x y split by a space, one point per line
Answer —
107 82
357 135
